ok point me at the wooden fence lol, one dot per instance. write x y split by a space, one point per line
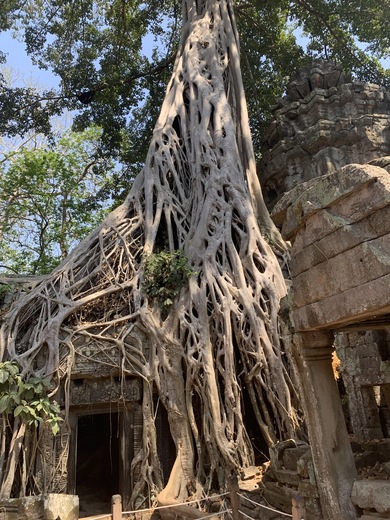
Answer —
117 513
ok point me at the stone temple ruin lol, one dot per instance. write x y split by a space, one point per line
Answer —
325 176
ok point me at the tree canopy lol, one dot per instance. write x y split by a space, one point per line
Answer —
97 49
47 200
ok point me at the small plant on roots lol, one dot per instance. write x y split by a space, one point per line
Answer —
164 276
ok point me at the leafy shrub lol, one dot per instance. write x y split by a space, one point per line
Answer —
165 274
28 398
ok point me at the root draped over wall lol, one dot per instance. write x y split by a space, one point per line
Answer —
197 193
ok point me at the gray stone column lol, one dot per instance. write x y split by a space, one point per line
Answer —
331 449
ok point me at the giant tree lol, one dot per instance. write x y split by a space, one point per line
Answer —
207 332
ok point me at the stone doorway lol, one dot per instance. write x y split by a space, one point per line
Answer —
102 444
97 461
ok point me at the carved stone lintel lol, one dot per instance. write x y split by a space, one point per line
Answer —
87 391
317 345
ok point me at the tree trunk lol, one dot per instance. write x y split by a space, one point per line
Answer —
12 462
198 193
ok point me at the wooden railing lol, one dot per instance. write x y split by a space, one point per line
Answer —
235 512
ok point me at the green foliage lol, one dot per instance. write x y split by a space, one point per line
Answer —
4 290
47 200
165 274
98 47
27 398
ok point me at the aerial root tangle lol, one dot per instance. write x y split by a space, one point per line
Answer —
198 193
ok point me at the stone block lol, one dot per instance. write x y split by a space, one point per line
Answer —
83 392
305 467
381 448
11 509
255 497
346 184
249 472
365 262
289 477
41 507
277 450
368 458
313 509
307 490
328 235
61 507
32 508
360 302
372 494
277 499
292 455
249 485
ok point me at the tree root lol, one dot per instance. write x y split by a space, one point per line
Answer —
198 193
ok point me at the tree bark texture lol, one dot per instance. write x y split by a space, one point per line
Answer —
198 193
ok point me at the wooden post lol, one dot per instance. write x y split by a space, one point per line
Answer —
298 508
235 501
116 507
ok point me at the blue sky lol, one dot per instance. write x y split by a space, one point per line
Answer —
24 68
22 65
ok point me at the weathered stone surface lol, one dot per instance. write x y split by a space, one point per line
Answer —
320 129
363 263
381 448
298 205
280 497
291 456
285 476
305 467
328 235
276 452
359 303
363 460
363 370
307 489
249 472
41 507
372 494
61 507
257 512
103 390
249 485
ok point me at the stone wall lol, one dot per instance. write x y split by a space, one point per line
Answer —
325 122
340 271
289 475
365 369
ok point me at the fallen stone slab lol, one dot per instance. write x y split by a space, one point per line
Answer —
372 494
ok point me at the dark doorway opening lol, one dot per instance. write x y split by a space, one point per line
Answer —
97 467
260 447
165 445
